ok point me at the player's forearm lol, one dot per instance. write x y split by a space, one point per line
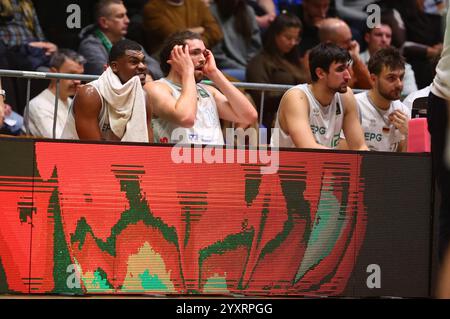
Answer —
186 106
239 103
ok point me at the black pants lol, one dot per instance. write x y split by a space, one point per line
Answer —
437 125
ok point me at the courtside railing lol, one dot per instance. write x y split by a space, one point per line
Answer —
32 75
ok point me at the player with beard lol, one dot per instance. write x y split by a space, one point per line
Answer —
384 118
313 115
115 107
186 111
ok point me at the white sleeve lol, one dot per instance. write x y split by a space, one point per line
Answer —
40 119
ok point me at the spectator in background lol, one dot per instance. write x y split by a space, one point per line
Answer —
378 38
10 122
311 13
242 38
163 18
384 118
55 20
277 63
21 32
13 122
334 30
354 13
111 27
134 12
42 107
23 47
422 37
265 11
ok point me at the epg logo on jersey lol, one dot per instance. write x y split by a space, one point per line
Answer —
335 141
372 136
321 130
338 109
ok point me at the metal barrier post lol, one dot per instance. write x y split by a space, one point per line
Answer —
261 107
55 114
27 108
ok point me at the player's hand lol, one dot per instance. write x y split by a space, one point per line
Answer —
400 121
210 66
181 61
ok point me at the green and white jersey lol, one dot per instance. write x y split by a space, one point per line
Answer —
380 134
206 129
325 121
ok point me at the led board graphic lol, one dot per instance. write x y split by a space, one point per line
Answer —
126 219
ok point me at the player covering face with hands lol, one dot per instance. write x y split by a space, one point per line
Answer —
186 111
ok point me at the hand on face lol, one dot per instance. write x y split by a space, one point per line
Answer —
210 64
181 61
354 49
400 121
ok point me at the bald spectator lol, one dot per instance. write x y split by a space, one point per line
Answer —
97 39
163 18
334 30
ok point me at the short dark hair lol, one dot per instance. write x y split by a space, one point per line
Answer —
118 50
60 56
388 57
323 55
178 38
102 8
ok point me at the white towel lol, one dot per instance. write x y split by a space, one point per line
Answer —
126 106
